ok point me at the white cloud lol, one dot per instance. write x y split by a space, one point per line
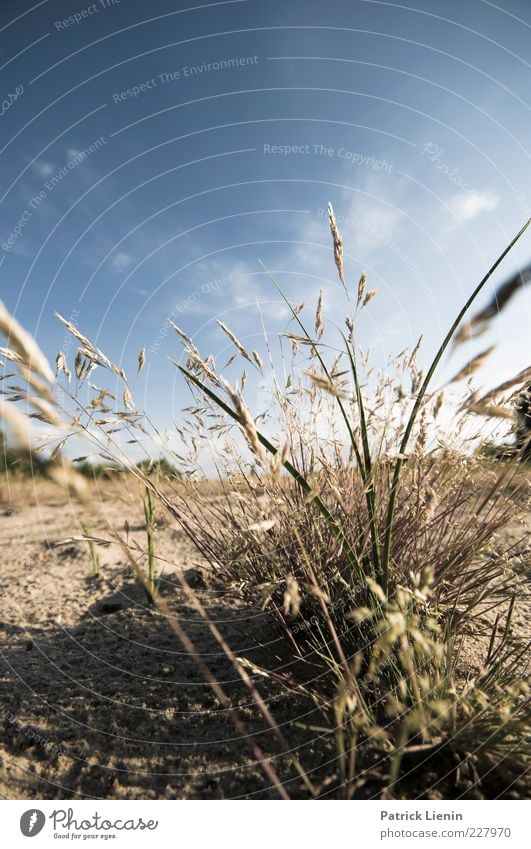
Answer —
121 261
44 169
468 205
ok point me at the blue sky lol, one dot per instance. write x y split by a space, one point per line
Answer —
152 154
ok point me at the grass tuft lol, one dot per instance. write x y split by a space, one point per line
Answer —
374 544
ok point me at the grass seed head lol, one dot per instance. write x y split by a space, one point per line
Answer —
338 245
246 420
234 340
258 360
362 285
319 326
24 345
61 366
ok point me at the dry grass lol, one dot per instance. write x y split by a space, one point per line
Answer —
370 542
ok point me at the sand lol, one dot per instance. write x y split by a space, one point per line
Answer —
98 698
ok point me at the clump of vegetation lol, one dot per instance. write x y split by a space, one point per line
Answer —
160 468
13 461
371 550
98 471
374 545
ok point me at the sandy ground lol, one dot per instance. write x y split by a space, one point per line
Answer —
98 698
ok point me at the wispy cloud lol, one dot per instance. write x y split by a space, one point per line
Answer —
121 261
43 168
468 205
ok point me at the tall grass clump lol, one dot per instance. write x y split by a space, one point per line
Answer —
374 546
372 542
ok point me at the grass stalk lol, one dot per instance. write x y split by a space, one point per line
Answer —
94 556
149 513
